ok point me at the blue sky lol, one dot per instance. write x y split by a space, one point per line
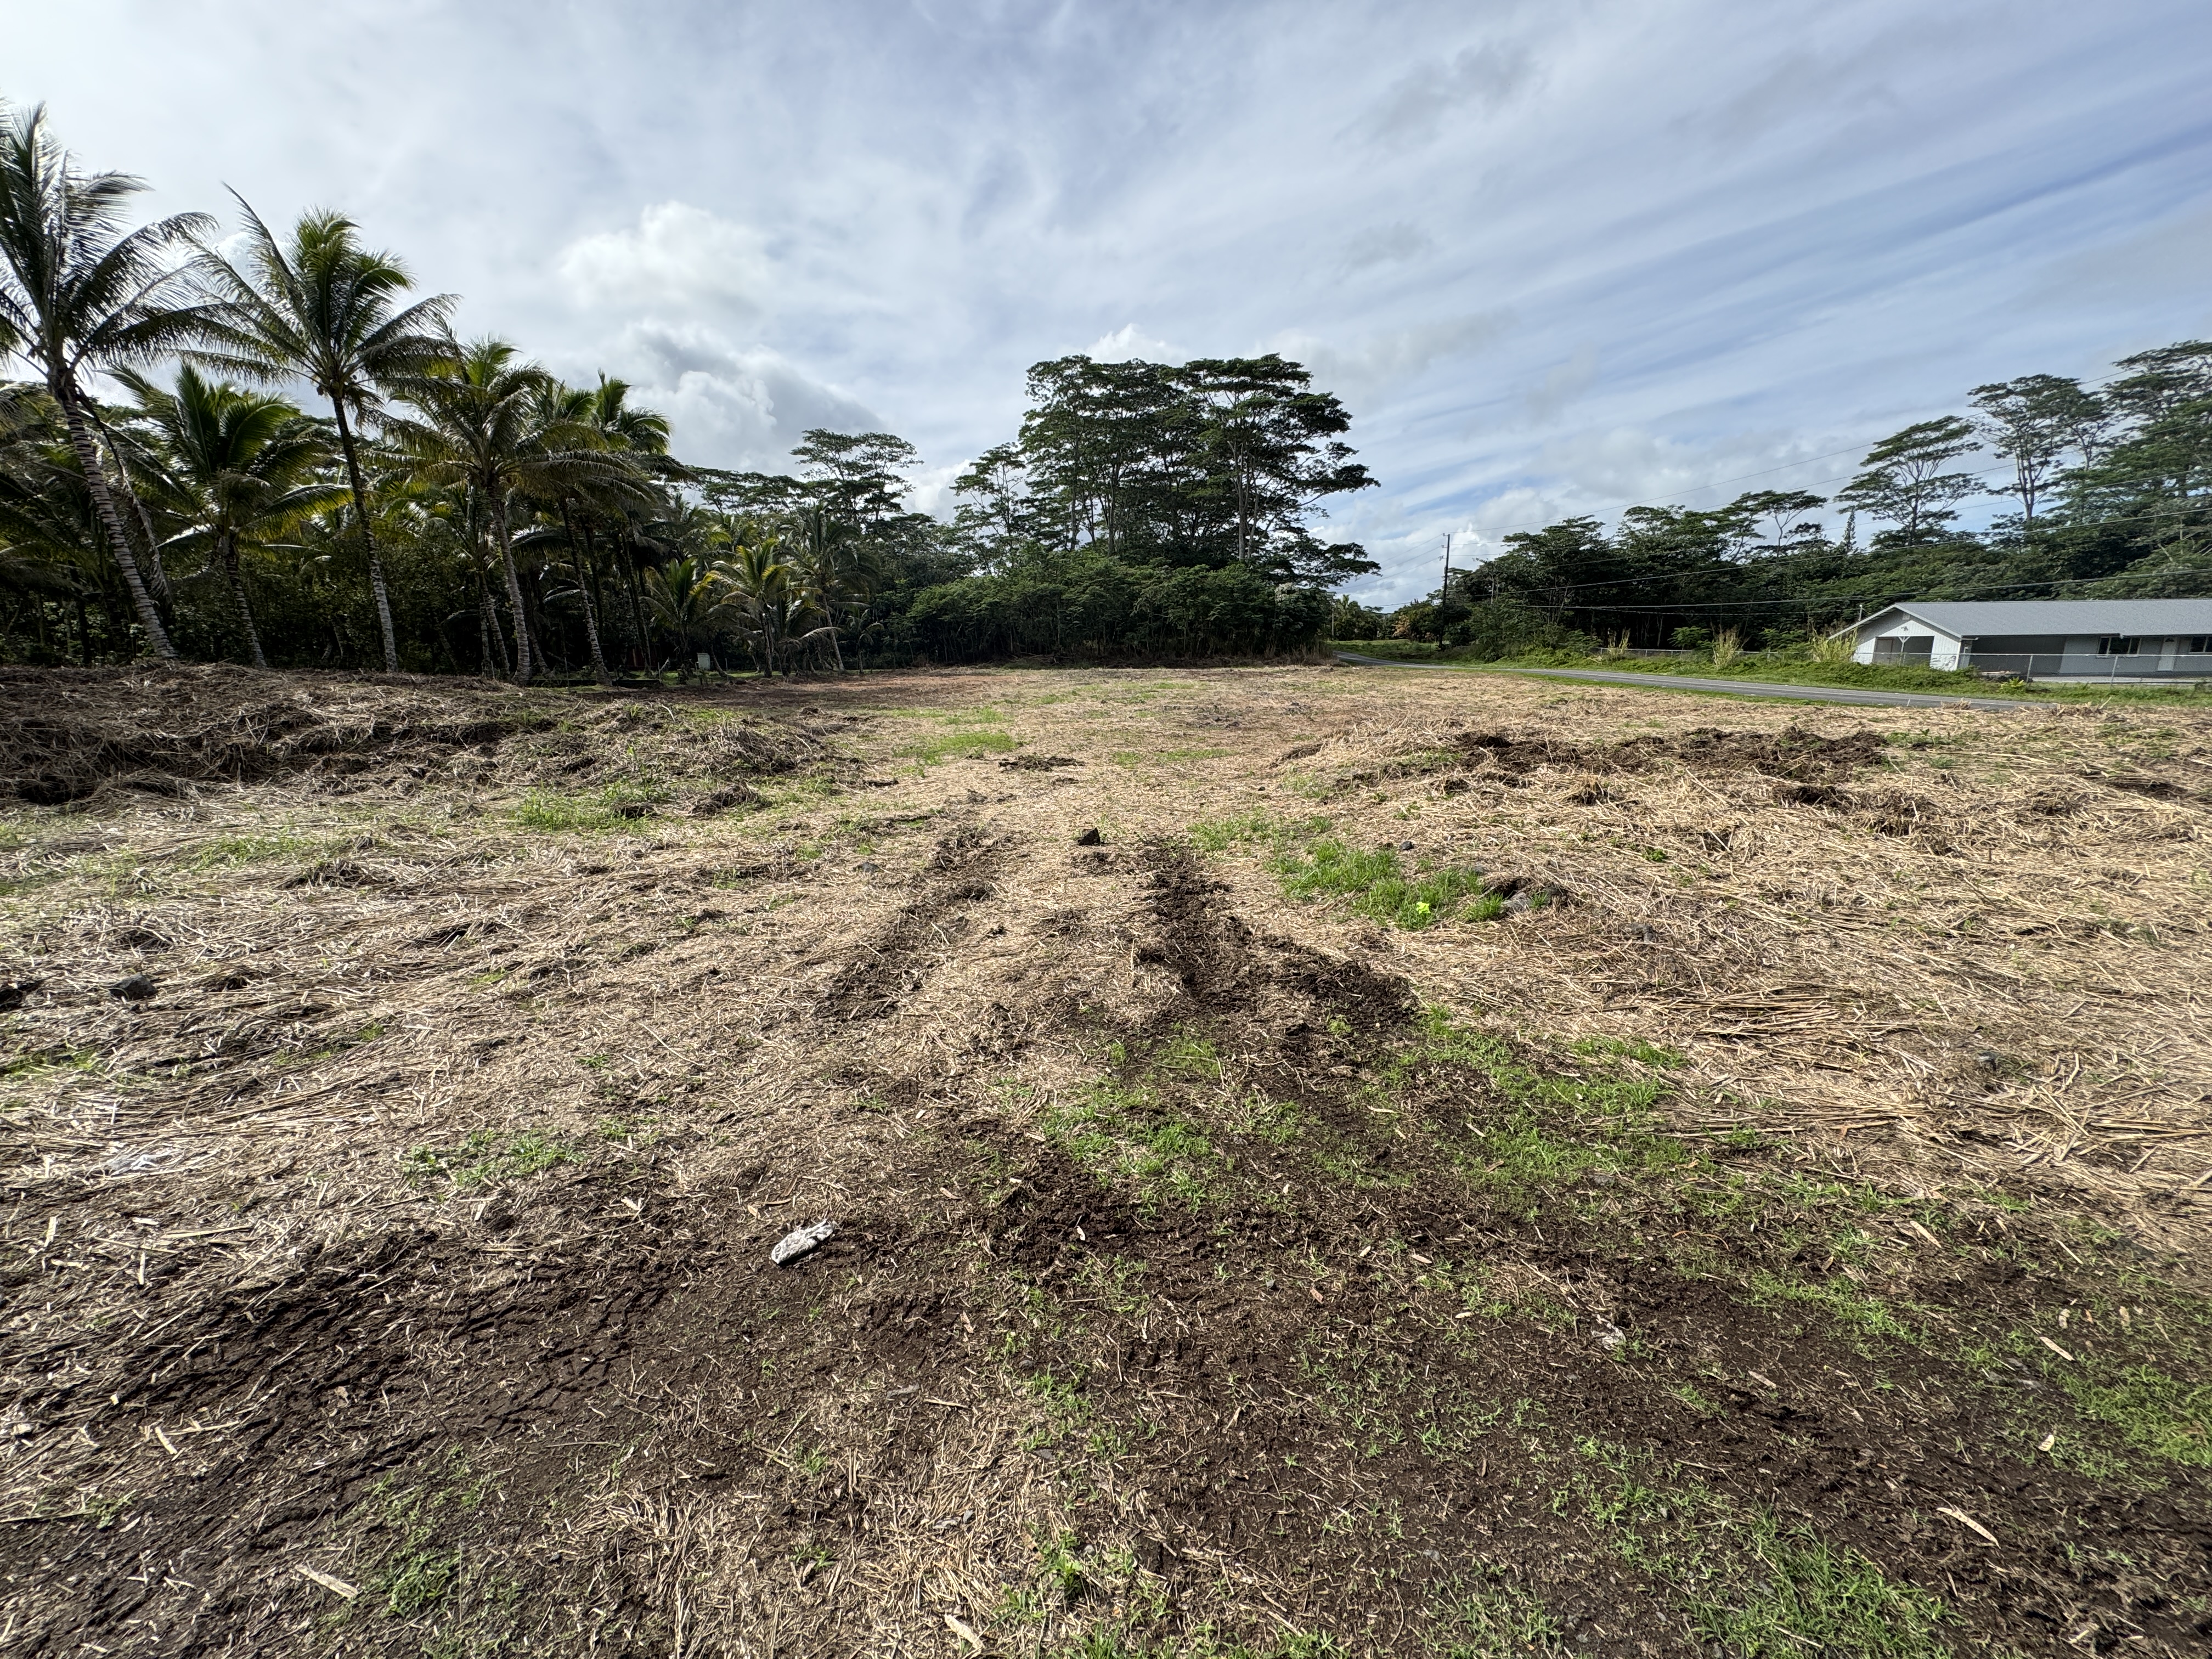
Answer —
1556 258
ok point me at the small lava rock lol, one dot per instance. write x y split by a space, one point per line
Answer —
1091 838
139 987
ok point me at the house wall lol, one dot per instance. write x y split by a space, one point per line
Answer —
2030 656
1914 643
2077 656
1904 640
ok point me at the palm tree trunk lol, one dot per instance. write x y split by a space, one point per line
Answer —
103 502
584 593
157 579
367 539
592 564
156 576
638 611
513 586
238 596
495 661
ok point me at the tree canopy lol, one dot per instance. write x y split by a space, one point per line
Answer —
2108 493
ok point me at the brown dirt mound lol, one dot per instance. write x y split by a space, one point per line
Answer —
1795 753
67 734
872 985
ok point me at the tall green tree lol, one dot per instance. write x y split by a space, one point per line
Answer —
1905 481
1271 448
688 602
80 296
638 438
764 585
2032 422
858 478
51 545
837 570
481 421
236 468
321 307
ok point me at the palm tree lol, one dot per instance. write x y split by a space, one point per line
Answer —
837 570
325 309
478 423
765 587
636 441
51 543
77 298
235 467
687 600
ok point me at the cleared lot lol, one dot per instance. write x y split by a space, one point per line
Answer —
1323 1161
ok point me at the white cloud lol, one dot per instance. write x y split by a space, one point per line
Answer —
1480 79
1720 241
1129 343
732 406
1387 245
678 257
930 489
2163 262
1363 374
1562 383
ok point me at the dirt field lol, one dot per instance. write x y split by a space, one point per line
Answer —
1324 1161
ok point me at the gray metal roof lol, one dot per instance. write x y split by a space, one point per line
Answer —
1969 619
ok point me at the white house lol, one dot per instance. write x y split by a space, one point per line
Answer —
2044 639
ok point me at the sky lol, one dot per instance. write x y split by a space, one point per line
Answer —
1555 258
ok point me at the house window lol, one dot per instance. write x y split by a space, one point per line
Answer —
2200 645
2119 645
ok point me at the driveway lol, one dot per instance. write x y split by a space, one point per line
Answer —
1730 688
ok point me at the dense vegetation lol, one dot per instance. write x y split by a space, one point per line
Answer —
2110 495
282 455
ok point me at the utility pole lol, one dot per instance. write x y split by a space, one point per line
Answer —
1443 593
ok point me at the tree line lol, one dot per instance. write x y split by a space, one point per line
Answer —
2108 493
273 449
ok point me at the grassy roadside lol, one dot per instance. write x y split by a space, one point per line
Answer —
1762 670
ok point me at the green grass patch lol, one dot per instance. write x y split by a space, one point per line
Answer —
1313 865
1635 1048
1780 669
226 851
1747 1580
1377 887
1219 834
618 806
2154 1412
1491 1618
1121 1131
960 746
423 1575
1858 1313
488 1156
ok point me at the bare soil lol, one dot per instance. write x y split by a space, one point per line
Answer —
1778 1230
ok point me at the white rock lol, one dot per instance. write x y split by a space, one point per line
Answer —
793 1245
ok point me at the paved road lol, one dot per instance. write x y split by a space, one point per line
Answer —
1733 688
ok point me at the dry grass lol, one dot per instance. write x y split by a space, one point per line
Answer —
417 1222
